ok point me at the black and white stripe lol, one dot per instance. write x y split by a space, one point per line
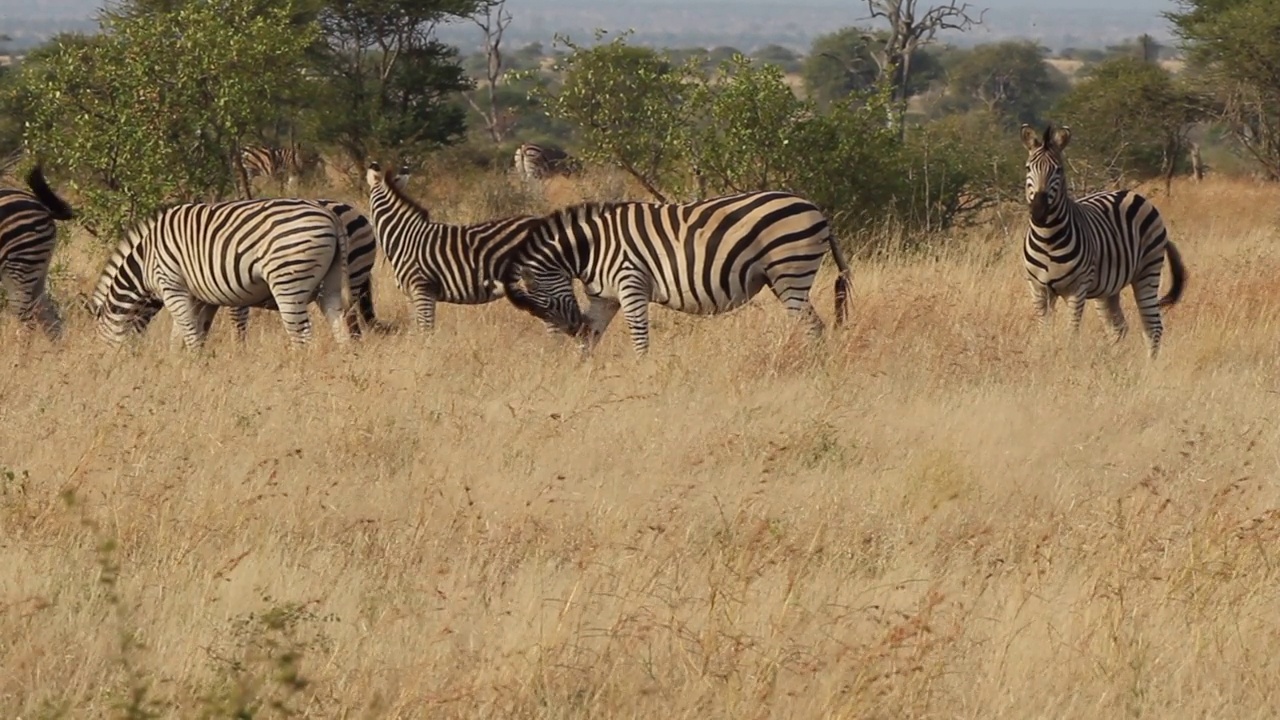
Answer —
1092 248
705 257
284 164
360 258
27 239
195 257
538 162
435 262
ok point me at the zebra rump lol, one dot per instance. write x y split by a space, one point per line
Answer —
27 239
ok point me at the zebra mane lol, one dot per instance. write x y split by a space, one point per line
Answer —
388 182
585 211
132 238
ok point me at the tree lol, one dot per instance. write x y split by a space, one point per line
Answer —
838 64
909 30
1010 80
152 110
628 104
1235 44
492 21
388 78
1137 117
785 58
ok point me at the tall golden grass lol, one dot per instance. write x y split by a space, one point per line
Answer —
938 511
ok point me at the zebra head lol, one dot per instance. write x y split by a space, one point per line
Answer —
1046 171
539 278
121 303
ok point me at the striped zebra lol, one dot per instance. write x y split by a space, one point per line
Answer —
705 257
435 262
1092 248
537 162
360 258
193 258
27 238
285 164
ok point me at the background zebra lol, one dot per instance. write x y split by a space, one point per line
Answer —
195 257
537 162
434 262
360 258
287 165
27 239
1092 248
705 257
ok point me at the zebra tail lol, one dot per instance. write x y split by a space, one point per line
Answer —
1177 273
58 208
844 280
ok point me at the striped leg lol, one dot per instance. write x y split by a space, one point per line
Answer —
792 290
330 301
1111 312
1042 299
188 316
1146 293
424 306
204 318
1075 304
633 295
34 306
240 316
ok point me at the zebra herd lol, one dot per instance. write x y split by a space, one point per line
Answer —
705 257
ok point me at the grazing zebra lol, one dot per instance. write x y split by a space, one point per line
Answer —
287 164
705 257
434 262
536 162
360 257
1092 248
27 238
193 258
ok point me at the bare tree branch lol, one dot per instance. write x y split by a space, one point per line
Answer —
493 23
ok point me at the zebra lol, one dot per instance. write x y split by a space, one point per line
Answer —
287 164
536 162
27 239
704 257
1092 248
360 258
435 262
194 257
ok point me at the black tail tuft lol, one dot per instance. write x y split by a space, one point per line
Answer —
1178 274
57 207
843 286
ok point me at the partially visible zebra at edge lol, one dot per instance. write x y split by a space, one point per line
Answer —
362 253
27 238
1092 248
538 162
436 262
195 257
286 165
704 258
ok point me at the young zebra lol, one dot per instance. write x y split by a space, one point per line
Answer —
287 165
434 262
27 237
705 258
536 162
193 258
1092 248
360 258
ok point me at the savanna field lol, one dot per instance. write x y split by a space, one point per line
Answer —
938 511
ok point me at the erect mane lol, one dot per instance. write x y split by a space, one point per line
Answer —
128 244
388 182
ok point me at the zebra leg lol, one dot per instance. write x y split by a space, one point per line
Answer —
793 292
424 306
239 316
330 302
188 316
1111 312
1042 298
1146 293
634 299
1075 303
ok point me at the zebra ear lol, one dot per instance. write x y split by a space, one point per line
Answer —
373 175
1061 137
1030 138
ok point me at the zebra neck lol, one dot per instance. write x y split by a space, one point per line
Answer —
1055 223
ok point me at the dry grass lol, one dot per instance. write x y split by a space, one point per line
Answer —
936 513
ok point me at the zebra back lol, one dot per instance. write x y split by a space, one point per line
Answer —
536 162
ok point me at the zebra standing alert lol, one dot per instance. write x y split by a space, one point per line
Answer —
1092 248
286 164
360 258
705 257
193 258
537 162
435 262
27 238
